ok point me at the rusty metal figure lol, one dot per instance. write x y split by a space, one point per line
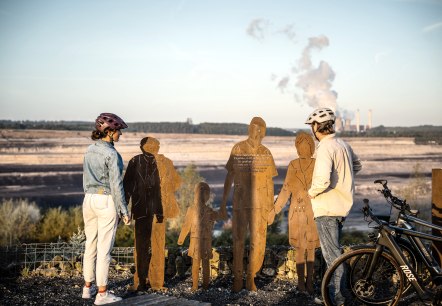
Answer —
303 234
199 222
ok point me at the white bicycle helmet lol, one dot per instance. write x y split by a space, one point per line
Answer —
321 115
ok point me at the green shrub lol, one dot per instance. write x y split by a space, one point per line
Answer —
190 177
172 238
354 237
55 224
125 235
225 239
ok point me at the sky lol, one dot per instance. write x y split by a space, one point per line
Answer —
222 61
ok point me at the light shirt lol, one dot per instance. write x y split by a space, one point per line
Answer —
333 178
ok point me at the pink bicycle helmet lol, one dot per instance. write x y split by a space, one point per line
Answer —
109 120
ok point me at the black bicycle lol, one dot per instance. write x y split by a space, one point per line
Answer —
381 273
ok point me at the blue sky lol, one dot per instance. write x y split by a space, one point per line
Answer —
221 61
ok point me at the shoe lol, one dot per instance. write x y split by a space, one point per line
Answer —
106 298
88 292
318 300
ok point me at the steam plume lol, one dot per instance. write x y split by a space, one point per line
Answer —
316 82
257 28
289 32
319 42
283 83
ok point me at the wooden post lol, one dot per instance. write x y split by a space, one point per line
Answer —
436 210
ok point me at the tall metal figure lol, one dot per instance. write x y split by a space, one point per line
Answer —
251 169
151 181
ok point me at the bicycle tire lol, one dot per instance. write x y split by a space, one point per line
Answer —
386 286
407 250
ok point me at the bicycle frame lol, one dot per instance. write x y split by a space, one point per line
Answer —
418 244
386 238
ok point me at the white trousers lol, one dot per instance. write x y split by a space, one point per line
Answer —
100 226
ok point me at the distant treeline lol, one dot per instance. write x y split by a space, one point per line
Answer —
423 134
152 127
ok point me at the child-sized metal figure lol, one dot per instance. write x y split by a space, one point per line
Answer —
303 234
199 222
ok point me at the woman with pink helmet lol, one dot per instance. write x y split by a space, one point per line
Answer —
103 203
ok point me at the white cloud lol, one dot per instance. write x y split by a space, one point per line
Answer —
257 28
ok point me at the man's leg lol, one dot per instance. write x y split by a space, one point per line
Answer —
205 263
239 228
195 273
136 283
258 232
329 230
157 261
142 241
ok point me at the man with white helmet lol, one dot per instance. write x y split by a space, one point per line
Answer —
332 187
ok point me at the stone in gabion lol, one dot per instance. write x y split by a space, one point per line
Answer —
268 271
214 263
79 267
65 266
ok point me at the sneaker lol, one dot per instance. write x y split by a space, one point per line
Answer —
88 292
318 300
106 298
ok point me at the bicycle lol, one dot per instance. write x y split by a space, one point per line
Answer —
379 274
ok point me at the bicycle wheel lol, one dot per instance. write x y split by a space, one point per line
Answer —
407 250
384 287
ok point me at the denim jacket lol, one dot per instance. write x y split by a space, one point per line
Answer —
102 173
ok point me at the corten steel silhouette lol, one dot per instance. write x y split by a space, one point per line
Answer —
199 222
251 169
151 181
303 234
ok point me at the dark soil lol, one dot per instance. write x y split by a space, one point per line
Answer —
40 290
66 291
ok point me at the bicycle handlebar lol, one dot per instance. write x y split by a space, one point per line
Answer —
391 199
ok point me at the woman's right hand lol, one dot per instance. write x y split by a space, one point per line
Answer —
126 219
